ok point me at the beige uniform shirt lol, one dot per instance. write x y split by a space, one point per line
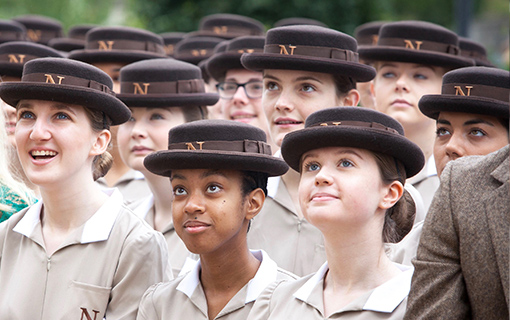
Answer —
427 183
177 251
132 186
101 270
292 242
184 297
303 299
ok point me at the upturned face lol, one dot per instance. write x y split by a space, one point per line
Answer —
341 189
290 96
146 132
210 213
399 86
56 142
463 134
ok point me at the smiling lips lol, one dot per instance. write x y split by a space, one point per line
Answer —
42 154
287 122
242 117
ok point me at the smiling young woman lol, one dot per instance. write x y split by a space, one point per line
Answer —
64 111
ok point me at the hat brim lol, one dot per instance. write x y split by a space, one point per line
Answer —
431 105
163 162
261 61
125 56
220 63
169 100
11 69
296 143
13 92
387 53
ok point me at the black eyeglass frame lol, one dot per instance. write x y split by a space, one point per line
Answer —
237 88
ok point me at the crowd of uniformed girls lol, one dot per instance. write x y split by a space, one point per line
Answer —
234 173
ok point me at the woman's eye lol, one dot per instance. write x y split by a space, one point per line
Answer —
272 86
308 88
26 115
213 188
313 166
61 116
442 132
346 163
131 119
388 75
477 133
157 116
179 191
420 76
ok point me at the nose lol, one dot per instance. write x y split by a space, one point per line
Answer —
194 204
454 148
323 177
284 102
240 98
402 83
139 131
40 131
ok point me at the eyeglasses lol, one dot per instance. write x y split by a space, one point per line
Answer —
227 90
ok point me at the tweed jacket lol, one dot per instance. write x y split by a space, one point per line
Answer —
461 268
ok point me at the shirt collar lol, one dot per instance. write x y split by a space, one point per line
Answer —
385 298
96 228
273 182
145 205
266 274
431 167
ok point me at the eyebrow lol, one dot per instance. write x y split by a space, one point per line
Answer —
467 123
57 106
415 66
347 151
249 80
204 175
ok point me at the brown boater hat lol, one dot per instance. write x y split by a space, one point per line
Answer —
416 42
368 33
220 63
196 49
474 50
170 39
478 90
163 83
75 39
12 31
220 47
353 127
309 48
228 26
40 29
295 21
14 55
68 81
216 144
120 44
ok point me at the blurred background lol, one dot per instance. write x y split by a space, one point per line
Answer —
485 21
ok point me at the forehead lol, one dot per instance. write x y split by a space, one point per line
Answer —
242 75
202 174
37 104
298 75
335 152
461 118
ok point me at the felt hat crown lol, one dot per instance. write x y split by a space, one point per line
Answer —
75 39
40 29
229 59
368 33
416 42
196 49
220 47
67 81
14 55
309 48
353 127
216 144
12 31
474 50
228 26
120 44
478 90
163 83
295 21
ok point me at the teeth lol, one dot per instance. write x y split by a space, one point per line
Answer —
288 122
42 153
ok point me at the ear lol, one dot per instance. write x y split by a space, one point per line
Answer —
394 192
101 142
351 99
255 202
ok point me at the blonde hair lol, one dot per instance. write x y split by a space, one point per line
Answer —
7 180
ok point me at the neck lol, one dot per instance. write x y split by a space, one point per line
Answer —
163 196
70 203
423 136
118 169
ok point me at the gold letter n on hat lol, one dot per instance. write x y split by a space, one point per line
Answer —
49 79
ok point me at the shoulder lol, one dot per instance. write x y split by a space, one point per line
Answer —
135 230
161 294
475 167
283 274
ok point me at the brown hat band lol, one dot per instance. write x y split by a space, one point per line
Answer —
248 146
224 30
477 90
195 52
419 45
373 125
180 86
16 57
66 80
12 35
246 50
312 51
42 35
368 40
109 45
